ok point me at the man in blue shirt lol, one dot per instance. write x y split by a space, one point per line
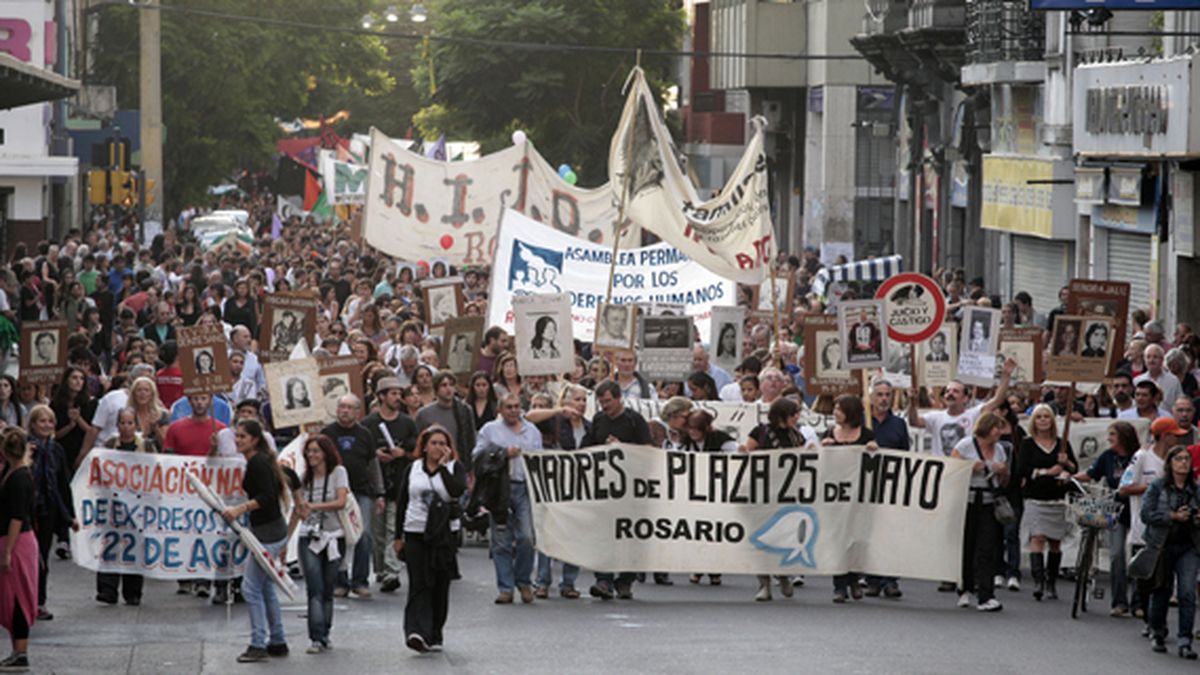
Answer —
512 542
891 433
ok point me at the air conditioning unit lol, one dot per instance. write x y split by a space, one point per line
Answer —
773 111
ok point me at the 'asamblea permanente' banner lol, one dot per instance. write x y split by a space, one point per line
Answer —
828 511
420 208
138 515
532 258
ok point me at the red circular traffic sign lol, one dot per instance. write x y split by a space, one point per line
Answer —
916 307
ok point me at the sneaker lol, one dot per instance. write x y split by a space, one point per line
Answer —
764 592
184 588
417 644
341 592
361 593
602 590
992 605
133 602
1014 584
798 581
695 578
663 579
253 655
526 594
893 591
1119 612
1185 652
625 591
998 580
16 662
201 591
1158 644
63 551
220 597
872 590
856 592
1139 613
541 593
839 597
964 599
947 587
390 585
315 648
44 614
436 647
715 580
569 593
280 649
504 598
786 589
327 644
106 599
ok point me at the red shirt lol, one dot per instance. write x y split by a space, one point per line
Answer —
170 385
1194 451
192 437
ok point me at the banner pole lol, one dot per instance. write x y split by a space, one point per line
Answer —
1066 434
625 184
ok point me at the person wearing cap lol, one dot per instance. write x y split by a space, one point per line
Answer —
1171 515
395 435
1146 466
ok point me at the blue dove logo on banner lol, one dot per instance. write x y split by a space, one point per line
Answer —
792 532
534 269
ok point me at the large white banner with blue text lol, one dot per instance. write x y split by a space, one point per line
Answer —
139 515
532 258
828 511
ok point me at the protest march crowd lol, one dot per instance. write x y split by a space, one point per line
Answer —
428 456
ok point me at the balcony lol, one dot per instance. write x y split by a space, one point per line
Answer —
1006 43
915 42
758 28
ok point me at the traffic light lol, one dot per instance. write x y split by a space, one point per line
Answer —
120 182
98 186
150 191
131 191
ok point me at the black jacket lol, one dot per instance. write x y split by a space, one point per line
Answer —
491 485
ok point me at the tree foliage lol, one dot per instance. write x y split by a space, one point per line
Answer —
224 82
568 102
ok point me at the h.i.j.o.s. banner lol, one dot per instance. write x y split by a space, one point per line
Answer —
827 511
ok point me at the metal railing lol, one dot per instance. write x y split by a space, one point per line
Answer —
1004 30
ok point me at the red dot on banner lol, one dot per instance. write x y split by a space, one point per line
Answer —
446 241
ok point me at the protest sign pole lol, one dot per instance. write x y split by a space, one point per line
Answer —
1067 413
612 267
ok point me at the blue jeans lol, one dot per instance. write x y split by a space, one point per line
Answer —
1182 563
1010 547
512 543
262 601
1118 580
363 551
320 576
545 572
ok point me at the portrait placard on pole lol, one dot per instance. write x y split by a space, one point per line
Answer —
204 360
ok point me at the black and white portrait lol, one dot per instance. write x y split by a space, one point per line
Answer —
45 349
727 329
334 387
462 353
442 305
296 396
829 356
545 334
977 338
614 326
727 341
862 331
980 328
667 332
1095 340
286 331
206 364
938 351
1066 337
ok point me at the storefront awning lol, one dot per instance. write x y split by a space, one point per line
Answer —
22 84
876 269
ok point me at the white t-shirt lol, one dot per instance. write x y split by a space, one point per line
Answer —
1143 469
322 490
982 481
731 392
946 430
421 489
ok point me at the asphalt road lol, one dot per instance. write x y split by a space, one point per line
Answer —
681 629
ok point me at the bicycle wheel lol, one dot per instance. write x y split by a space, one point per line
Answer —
1083 571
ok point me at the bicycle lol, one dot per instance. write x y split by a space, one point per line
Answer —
1095 510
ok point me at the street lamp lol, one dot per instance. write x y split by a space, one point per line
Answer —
392 14
417 14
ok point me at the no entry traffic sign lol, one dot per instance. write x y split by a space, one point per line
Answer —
916 307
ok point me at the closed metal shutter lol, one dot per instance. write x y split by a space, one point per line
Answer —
1129 260
1040 267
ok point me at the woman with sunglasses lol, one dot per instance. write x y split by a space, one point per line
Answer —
1171 513
322 543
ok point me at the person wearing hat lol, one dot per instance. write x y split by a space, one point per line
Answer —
1146 466
395 436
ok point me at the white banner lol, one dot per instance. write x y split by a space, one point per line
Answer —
830 511
345 182
420 208
533 259
139 515
730 234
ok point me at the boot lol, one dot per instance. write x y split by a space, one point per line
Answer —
1053 560
764 588
1037 566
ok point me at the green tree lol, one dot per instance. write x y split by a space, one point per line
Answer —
225 82
568 102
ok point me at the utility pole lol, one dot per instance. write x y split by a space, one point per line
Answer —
150 90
